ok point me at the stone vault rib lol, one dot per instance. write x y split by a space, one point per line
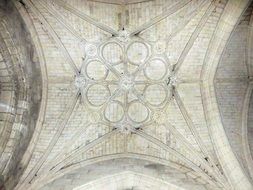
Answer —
186 21
198 155
67 160
51 31
229 162
82 149
190 123
61 20
60 126
112 2
179 156
62 153
171 10
194 131
86 17
84 163
207 164
194 36
120 2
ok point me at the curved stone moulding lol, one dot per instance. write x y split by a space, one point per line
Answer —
231 167
143 158
29 78
119 180
245 125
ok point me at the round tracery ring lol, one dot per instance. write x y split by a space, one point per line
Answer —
90 49
156 69
137 52
112 52
137 112
97 94
96 70
114 112
155 94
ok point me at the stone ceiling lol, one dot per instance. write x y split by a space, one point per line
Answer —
150 94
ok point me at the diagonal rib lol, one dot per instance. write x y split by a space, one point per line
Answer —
86 17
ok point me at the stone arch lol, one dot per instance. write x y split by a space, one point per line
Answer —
109 165
24 70
227 158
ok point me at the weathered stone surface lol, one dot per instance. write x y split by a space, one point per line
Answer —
92 91
20 93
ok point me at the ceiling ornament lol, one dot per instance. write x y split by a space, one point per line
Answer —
127 81
80 81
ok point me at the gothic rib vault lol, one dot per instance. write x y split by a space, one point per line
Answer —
134 94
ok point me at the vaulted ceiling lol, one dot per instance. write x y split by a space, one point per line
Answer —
138 94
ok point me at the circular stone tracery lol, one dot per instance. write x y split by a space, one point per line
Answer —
137 52
126 82
113 116
112 52
138 112
156 69
95 70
